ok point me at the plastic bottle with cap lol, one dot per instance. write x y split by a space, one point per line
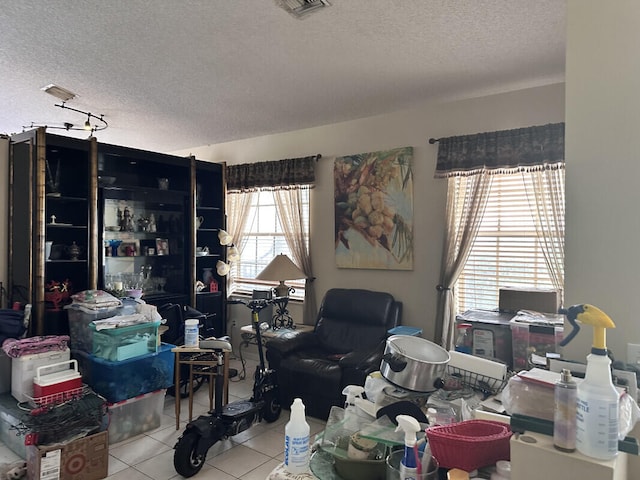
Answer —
503 471
463 340
191 333
296 440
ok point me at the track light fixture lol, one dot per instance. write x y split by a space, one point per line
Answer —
88 126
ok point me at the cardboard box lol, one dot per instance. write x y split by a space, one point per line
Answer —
539 300
83 459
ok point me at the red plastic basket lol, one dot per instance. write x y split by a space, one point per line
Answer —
470 444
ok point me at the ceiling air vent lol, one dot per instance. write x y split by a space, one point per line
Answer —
302 8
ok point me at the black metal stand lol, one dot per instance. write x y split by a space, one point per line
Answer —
282 318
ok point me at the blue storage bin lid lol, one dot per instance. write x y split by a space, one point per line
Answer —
405 330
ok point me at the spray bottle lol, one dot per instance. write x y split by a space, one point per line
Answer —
597 397
352 392
296 440
410 465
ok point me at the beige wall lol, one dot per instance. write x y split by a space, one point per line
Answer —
416 289
603 166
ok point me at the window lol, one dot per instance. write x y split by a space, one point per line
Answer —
506 251
262 241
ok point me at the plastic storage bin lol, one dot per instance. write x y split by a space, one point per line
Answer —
81 336
539 337
490 334
116 344
135 416
117 381
23 371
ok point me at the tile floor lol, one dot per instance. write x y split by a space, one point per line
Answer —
250 455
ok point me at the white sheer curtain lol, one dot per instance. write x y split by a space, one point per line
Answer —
459 237
545 193
289 205
238 208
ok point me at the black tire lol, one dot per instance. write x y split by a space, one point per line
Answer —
272 408
185 459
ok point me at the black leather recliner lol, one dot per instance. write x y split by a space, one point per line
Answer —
346 345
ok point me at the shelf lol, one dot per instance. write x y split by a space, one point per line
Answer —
121 257
211 209
64 198
65 225
67 261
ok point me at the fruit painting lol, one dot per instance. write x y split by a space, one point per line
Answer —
373 195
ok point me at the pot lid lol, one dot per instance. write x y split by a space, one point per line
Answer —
418 349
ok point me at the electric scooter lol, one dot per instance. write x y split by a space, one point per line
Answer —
226 421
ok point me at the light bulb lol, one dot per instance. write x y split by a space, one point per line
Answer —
222 268
224 237
233 255
87 124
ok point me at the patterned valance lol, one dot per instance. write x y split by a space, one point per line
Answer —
275 175
523 149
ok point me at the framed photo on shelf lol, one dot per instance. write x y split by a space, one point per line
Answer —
162 246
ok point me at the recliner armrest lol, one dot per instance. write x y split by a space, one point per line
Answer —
365 360
286 346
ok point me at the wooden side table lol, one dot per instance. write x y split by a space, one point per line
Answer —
201 361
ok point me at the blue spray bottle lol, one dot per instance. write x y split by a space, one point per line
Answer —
410 466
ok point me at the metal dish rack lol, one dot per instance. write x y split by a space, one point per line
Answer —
55 418
482 383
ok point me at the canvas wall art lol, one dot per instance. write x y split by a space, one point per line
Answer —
373 194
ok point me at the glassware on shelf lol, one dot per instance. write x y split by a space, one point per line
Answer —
114 244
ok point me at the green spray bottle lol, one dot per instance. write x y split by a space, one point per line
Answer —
598 398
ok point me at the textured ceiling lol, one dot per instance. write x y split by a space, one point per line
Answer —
171 74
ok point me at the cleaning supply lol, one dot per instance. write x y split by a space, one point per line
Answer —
565 412
597 397
352 392
191 332
427 460
464 341
410 465
296 440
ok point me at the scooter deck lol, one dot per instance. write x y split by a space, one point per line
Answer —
239 408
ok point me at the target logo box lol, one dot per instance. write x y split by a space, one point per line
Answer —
83 459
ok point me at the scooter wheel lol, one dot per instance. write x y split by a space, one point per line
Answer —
186 459
272 408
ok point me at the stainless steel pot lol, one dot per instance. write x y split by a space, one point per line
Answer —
413 363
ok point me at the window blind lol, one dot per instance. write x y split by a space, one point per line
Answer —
506 251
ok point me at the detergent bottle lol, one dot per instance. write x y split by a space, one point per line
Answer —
410 465
597 397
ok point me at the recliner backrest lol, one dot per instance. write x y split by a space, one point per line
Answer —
354 319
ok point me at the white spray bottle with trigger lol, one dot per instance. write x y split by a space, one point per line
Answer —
598 408
410 465
354 396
